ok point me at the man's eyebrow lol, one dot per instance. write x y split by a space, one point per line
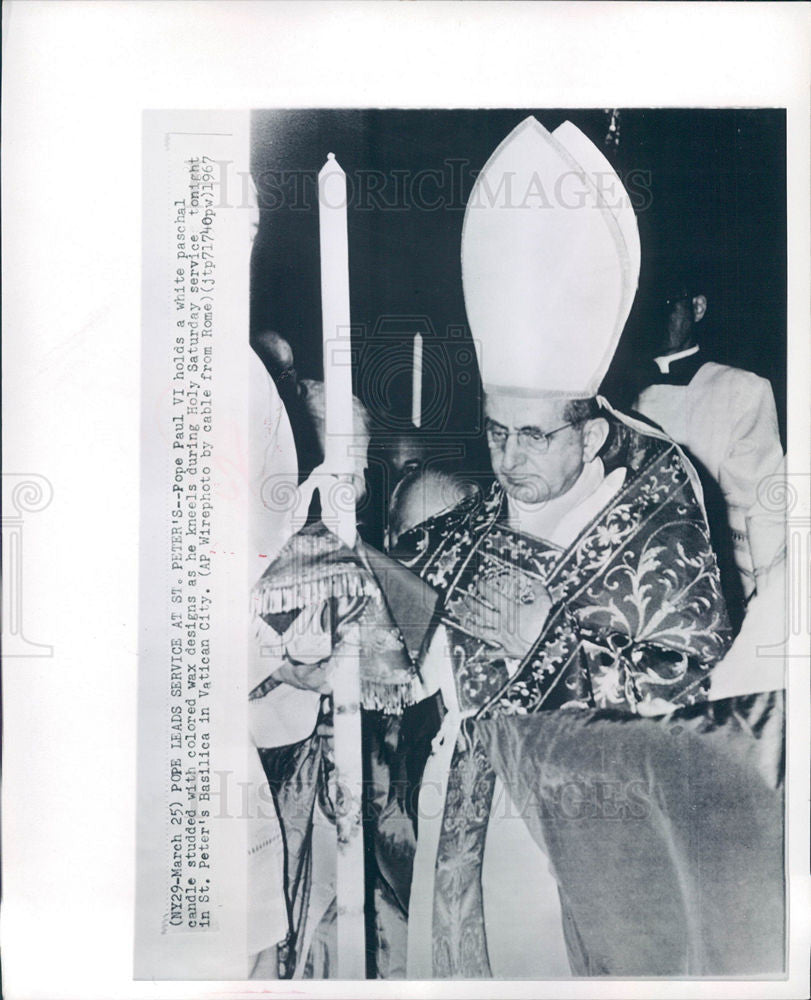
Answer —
495 423
531 427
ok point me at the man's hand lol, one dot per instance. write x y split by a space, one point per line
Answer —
306 676
508 613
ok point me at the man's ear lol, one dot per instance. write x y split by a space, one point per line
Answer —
594 434
699 307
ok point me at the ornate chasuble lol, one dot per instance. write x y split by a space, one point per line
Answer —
637 614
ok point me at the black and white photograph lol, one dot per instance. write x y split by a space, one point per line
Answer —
533 363
406 500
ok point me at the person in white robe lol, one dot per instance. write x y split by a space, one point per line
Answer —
725 418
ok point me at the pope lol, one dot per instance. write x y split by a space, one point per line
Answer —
579 613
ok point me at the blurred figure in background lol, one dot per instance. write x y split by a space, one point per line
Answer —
303 400
420 495
726 420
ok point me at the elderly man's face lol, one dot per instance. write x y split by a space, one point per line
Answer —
530 468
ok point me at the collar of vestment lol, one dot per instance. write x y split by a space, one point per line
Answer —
561 519
664 361
674 369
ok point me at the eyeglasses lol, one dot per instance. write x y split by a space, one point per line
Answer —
529 438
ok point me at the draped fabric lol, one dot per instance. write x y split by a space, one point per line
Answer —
303 604
664 834
638 618
316 571
298 775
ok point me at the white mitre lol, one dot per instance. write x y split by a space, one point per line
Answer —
550 263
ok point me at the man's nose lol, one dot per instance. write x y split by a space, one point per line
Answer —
512 455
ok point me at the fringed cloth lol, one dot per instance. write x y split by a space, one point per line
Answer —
316 570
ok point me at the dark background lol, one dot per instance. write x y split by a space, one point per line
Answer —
708 187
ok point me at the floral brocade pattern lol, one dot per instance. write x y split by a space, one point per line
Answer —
482 549
640 590
459 940
637 614
638 611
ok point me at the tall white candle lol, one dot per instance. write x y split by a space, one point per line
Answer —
335 317
416 381
339 514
